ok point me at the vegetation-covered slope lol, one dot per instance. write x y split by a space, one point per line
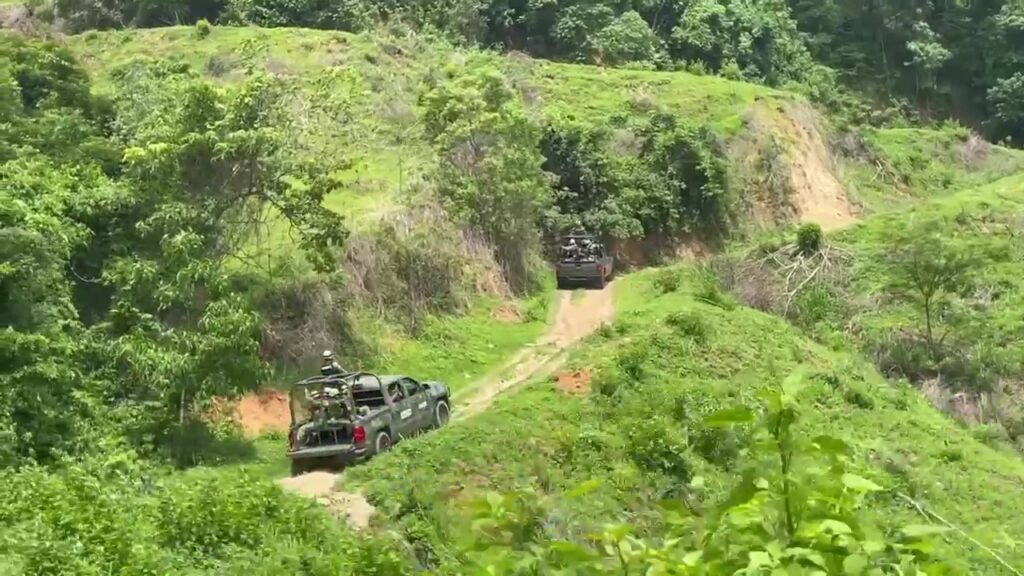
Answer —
592 117
671 359
930 294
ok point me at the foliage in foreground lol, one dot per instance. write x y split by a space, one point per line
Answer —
796 509
117 516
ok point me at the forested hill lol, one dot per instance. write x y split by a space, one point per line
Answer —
924 58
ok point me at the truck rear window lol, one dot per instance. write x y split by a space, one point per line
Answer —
368 398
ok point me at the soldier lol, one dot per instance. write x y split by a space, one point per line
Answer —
328 367
570 250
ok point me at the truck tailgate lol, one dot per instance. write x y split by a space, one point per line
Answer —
578 270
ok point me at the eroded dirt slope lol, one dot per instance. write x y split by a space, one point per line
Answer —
785 171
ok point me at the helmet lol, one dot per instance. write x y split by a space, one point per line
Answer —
572 242
328 355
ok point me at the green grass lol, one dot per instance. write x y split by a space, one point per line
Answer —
666 379
983 327
909 165
459 350
985 221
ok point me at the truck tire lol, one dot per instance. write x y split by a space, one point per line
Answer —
442 413
382 442
600 282
298 467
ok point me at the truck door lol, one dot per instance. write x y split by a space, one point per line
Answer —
402 412
422 411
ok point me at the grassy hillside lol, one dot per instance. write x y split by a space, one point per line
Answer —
880 168
671 359
976 316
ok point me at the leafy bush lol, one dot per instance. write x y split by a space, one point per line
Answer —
689 324
659 446
668 280
489 170
809 238
631 360
668 180
118 302
815 304
203 28
797 503
114 515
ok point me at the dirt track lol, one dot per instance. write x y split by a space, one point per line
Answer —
576 316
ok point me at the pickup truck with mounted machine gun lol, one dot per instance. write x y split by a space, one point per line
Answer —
342 418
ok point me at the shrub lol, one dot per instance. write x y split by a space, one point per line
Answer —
203 28
667 280
809 239
689 324
631 360
815 304
657 445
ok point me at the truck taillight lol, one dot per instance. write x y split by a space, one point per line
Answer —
358 435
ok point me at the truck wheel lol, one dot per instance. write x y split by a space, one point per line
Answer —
382 443
600 282
441 413
298 467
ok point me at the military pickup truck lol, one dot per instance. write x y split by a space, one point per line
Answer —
340 419
583 260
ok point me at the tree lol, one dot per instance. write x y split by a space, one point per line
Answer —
927 269
117 311
489 165
628 39
1007 101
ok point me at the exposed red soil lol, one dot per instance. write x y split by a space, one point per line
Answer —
576 382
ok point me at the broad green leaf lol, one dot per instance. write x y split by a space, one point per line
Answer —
855 565
859 483
831 445
729 417
494 499
759 559
585 488
693 558
835 527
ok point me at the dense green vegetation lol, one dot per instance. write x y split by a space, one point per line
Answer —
936 59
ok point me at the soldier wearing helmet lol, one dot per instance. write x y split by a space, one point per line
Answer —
328 366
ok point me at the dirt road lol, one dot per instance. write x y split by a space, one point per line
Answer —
576 316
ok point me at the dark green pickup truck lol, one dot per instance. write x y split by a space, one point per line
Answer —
336 420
